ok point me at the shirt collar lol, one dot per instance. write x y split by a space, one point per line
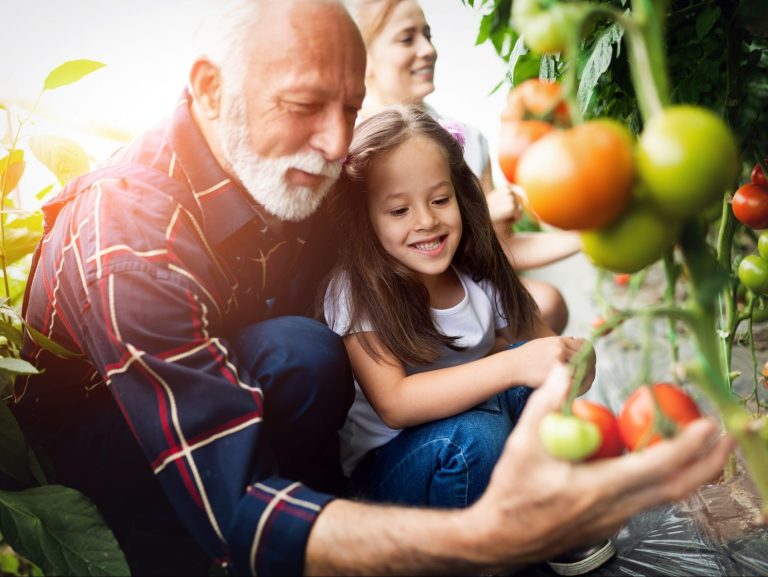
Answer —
226 206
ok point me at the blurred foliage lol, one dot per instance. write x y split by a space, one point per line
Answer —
44 528
717 57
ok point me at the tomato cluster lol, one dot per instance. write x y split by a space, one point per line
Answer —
628 197
593 432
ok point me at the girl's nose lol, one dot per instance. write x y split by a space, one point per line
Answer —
426 219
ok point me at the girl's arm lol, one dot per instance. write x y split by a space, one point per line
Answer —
406 400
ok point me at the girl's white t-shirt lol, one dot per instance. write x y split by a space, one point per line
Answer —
475 319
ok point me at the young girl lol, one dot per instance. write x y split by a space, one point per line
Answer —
444 341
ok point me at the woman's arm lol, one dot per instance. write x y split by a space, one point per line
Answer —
406 400
527 250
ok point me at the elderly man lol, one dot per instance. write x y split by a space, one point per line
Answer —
197 414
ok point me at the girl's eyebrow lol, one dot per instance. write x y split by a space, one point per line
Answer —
397 195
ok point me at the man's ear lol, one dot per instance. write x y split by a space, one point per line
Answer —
205 85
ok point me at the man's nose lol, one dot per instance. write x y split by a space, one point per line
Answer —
332 135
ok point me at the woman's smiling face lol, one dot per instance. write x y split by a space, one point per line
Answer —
401 59
413 207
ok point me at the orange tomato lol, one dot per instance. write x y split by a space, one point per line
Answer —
580 178
537 99
534 108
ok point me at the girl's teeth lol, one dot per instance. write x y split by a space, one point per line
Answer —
427 245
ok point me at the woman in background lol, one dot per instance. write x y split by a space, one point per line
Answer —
400 70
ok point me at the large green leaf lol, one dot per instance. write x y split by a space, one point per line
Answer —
60 530
70 72
62 156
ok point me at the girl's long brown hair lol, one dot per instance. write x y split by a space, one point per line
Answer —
384 293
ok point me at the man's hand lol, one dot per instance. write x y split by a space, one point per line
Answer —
537 506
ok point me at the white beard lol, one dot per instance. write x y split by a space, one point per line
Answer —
264 178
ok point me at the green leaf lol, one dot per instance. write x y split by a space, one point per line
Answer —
14 452
11 169
706 20
60 530
17 366
62 156
70 72
43 192
597 63
19 242
10 332
50 345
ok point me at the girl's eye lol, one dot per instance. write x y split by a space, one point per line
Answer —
407 40
442 201
428 34
398 211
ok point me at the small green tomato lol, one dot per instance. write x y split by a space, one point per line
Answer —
762 244
568 437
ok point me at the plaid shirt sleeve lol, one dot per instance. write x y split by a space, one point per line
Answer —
146 304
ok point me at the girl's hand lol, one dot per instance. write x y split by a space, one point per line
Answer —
537 357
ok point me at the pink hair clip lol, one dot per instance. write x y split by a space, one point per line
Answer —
455 129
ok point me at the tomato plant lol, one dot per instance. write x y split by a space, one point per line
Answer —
753 273
688 158
637 239
750 205
580 178
568 437
611 445
638 421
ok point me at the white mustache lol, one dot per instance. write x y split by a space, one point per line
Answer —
313 163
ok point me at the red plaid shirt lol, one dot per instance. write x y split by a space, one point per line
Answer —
151 288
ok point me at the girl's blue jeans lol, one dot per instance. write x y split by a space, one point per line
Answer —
445 463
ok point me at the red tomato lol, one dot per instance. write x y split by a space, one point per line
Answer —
636 419
758 177
598 325
750 205
612 444
622 278
580 178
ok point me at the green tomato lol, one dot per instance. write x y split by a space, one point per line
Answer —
688 158
546 30
568 437
637 239
753 273
762 244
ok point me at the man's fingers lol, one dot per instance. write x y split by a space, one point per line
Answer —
695 455
680 484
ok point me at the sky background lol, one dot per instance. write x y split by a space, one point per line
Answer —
147 47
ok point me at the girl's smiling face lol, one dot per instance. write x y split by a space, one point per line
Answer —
401 59
413 207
